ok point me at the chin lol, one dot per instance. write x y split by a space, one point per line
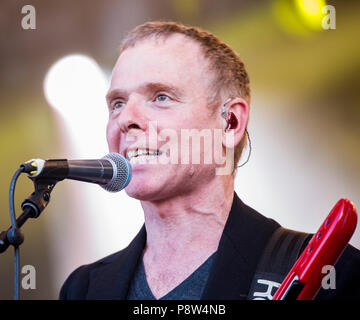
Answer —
143 191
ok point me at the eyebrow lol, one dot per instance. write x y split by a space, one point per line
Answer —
147 87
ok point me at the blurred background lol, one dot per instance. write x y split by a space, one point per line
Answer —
304 123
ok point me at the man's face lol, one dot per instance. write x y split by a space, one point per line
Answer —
157 87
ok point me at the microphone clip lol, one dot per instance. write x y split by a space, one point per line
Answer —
40 198
32 207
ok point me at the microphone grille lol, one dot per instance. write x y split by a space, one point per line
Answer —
122 172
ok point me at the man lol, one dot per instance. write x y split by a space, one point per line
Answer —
199 240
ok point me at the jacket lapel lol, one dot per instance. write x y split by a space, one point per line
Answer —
245 236
111 280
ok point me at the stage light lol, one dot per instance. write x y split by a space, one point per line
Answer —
299 16
310 12
74 85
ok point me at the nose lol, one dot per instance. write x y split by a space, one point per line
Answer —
128 123
132 116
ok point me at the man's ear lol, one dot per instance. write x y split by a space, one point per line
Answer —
238 109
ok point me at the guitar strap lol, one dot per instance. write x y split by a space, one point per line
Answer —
280 254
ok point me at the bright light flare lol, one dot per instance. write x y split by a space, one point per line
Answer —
311 12
74 84
299 16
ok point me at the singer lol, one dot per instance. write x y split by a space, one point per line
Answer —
200 241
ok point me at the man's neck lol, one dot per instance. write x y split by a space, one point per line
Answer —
190 222
183 232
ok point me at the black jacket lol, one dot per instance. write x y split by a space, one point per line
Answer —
244 238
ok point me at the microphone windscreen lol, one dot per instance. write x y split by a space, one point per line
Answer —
121 175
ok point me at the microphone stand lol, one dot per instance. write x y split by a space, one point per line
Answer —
32 208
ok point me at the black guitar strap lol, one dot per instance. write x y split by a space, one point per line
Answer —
279 256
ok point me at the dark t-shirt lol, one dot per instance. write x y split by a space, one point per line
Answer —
190 289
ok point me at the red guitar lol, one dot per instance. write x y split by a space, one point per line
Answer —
324 249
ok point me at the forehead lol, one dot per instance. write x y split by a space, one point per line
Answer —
177 60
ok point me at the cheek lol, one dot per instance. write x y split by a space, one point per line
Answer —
113 136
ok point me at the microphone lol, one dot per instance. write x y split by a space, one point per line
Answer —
112 172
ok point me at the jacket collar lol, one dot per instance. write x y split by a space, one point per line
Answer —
244 238
111 280
245 235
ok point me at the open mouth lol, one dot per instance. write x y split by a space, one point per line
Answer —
141 155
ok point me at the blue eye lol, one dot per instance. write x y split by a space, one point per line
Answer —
118 105
162 98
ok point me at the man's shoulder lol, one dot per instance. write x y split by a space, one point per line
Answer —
97 280
245 223
76 285
344 278
346 269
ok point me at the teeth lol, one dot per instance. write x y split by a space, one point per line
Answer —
142 158
142 153
130 154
